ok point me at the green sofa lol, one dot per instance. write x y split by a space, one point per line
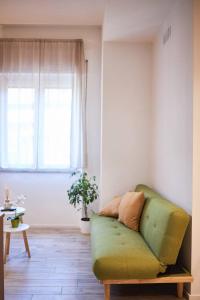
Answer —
123 256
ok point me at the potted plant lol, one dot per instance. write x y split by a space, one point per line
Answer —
15 220
83 192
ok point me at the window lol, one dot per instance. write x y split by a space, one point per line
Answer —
41 106
18 119
55 129
37 136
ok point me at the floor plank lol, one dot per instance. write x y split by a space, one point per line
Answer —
18 297
60 269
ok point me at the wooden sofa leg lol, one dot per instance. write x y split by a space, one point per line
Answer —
180 289
107 291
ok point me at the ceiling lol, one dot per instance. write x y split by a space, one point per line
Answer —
52 12
122 20
134 19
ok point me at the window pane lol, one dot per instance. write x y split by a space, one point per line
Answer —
19 128
55 138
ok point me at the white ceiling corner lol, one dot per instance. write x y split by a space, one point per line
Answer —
122 20
130 20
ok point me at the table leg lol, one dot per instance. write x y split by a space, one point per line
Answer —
7 245
26 243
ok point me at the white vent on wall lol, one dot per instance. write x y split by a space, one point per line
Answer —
167 35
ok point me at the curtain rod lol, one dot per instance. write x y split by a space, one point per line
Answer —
39 40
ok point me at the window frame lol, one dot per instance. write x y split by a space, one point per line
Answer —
38 94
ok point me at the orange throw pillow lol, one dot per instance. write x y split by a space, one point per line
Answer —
130 209
112 208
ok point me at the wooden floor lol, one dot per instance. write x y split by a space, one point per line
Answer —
60 269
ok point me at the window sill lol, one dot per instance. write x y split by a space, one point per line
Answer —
42 171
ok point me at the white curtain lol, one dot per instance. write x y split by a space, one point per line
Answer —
19 77
42 90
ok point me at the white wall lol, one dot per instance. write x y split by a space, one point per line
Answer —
196 155
126 117
46 203
172 108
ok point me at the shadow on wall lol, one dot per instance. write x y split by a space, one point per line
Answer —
184 258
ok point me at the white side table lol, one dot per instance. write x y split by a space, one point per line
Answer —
8 230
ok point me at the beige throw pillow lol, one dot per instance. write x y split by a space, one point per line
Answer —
130 209
112 208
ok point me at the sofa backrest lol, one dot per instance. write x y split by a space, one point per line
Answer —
162 225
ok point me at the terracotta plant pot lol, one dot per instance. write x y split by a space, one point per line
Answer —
15 223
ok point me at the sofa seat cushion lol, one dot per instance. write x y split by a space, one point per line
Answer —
119 252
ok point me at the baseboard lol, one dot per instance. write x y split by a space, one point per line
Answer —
194 297
54 226
191 297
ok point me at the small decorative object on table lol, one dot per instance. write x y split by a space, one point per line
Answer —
15 220
11 206
83 191
7 202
